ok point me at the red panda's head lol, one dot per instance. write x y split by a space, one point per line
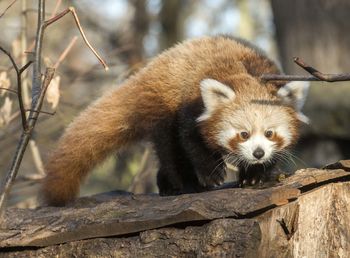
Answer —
251 122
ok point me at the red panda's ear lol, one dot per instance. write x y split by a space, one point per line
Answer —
213 94
294 94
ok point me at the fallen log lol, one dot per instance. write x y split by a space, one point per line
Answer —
305 215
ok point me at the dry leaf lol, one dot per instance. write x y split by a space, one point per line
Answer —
5 112
4 83
53 92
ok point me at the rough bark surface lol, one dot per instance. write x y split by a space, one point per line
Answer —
208 240
305 215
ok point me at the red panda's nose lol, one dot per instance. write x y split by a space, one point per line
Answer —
258 153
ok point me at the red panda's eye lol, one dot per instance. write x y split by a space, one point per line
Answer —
245 135
268 134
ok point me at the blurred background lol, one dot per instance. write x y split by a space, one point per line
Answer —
129 33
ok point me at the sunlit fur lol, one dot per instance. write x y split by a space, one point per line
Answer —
161 103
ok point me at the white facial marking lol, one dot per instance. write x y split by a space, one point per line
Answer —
248 147
213 94
225 136
283 131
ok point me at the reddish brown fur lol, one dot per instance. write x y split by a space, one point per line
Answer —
235 141
278 140
133 110
294 126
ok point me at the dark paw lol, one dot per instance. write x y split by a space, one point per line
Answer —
251 182
169 184
170 192
214 178
254 176
166 188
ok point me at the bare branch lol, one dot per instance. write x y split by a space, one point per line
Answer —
25 66
8 7
283 77
39 90
11 58
25 87
25 137
10 90
76 19
36 84
19 86
53 14
316 75
43 112
47 79
319 75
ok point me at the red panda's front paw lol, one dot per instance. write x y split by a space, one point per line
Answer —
169 183
251 182
214 178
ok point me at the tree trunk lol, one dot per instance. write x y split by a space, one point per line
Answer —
315 30
306 215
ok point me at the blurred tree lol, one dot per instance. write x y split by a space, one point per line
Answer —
316 30
140 26
171 24
247 24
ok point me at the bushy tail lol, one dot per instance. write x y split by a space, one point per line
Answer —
125 115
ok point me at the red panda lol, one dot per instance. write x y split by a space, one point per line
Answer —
201 103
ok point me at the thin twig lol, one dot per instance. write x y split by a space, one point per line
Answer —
19 85
43 112
36 156
8 7
53 19
36 83
65 52
319 75
10 90
76 19
53 14
22 145
316 75
25 66
283 77
39 89
47 79
10 57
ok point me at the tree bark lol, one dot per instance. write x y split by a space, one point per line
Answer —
305 215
